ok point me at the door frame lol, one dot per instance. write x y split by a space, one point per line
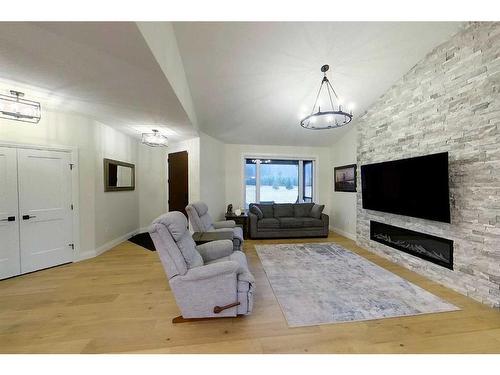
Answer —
75 185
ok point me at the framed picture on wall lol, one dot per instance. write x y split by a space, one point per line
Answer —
344 178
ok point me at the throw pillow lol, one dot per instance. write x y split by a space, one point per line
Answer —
267 210
256 211
317 210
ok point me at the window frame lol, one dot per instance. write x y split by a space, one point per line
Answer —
304 181
300 159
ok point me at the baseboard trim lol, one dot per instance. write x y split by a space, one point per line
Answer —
107 246
85 255
344 233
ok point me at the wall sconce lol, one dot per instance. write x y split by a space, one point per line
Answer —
14 107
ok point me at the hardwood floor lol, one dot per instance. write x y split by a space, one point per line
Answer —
120 302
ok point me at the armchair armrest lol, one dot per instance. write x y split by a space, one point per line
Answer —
210 270
224 224
215 249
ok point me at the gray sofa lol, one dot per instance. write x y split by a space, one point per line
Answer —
209 280
287 220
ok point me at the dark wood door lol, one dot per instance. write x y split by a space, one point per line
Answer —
178 181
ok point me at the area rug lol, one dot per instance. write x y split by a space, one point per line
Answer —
322 283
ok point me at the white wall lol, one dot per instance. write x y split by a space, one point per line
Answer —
105 218
151 180
213 175
234 169
342 204
116 212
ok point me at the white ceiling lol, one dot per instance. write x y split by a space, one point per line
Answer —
250 81
101 69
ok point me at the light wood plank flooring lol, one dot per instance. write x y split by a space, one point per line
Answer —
120 302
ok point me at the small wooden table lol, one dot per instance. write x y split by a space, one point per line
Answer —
241 220
204 237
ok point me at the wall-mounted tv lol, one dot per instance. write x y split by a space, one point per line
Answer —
415 187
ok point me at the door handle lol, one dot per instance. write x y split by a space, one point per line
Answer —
10 218
27 217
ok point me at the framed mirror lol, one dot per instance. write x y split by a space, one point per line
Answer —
118 175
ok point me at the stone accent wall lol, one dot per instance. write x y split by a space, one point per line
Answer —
449 101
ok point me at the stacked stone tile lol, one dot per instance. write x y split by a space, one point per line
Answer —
449 101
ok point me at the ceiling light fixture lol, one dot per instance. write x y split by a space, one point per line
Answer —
14 107
333 118
154 139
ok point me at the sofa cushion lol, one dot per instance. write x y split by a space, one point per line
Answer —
267 210
283 210
290 222
302 209
257 211
268 223
316 211
311 222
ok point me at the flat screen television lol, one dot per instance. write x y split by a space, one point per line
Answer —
416 187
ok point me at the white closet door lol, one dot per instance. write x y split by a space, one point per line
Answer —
9 221
44 207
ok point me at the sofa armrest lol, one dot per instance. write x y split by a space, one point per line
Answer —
209 271
252 224
224 224
253 218
215 249
326 220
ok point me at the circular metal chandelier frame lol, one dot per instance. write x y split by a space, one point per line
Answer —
334 118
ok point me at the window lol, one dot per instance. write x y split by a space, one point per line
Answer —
278 181
250 183
307 195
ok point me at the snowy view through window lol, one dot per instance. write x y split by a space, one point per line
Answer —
279 181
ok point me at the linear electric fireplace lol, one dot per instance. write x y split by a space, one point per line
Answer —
431 248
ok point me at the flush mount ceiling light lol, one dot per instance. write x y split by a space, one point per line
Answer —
14 107
154 139
334 116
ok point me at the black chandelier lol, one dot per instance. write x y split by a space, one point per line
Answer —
333 118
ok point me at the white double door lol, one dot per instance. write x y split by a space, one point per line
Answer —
35 210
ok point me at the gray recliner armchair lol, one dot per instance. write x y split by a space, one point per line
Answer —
208 280
201 221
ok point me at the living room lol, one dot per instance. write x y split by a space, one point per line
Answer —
181 186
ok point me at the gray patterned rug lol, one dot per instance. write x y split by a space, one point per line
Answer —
321 283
